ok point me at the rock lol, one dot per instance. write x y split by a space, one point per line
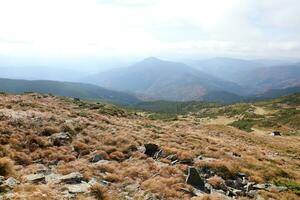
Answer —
277 188
72 178
53 178
36 178
186 161
96 158
269 187
194 179
78 188
2 178
11 182
197 192
206 159
151 149
252 193
59 139
172 157
275 133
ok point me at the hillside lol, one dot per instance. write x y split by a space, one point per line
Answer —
78 90
255 77
59 148
227 68
163 80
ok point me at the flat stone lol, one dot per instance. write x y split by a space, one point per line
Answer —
53 178
72 178
78 188
36 178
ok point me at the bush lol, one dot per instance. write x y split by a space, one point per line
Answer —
244 124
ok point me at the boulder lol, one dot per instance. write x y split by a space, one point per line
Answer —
78 188
151 149
72 178
194 179
59 139
36 178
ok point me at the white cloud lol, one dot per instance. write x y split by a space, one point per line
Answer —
134 27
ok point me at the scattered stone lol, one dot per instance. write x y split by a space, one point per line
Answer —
11 182
78 188
172 157
53 178
96 158
151 149
206 159
252 193
59 139
269 187
275 133
186 161
72 178
2 178
36 178
194 179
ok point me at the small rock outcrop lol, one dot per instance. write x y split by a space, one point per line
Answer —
59 139
151 149
72 178
194 179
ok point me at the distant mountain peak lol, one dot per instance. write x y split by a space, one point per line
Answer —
151 59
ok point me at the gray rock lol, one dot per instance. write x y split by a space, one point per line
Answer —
36 178
59 139
72 178
2 178
194 179
11 182
269 187
78 188
96 158
252 193
53 178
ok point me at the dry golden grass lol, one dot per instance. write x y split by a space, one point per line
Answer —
31 119
6 167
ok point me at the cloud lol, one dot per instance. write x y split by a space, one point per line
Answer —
146 27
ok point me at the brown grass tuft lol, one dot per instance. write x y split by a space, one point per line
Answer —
99 191
6 167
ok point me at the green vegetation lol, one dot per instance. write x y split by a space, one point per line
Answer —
290 184
173 107
245 125
163 116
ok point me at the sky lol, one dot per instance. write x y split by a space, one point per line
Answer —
83 28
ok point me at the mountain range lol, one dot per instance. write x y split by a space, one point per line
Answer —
223 80
165 80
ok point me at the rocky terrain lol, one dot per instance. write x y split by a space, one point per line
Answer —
64 148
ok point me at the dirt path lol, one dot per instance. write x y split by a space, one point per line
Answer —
261 111
221 120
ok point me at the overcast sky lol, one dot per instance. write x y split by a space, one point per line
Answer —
149 27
